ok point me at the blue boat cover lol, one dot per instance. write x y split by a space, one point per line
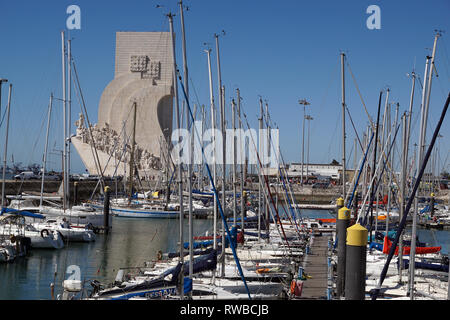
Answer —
427 266
22 213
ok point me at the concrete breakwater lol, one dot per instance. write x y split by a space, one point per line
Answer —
85 188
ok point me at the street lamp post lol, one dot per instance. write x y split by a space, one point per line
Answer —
309 118
304 103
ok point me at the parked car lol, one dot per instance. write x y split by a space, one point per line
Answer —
86 176
26 175
50 177
75 177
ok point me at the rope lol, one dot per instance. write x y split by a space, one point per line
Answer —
359 93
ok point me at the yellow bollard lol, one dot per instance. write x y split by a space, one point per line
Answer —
355 270
339 202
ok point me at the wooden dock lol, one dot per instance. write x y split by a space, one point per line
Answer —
315 265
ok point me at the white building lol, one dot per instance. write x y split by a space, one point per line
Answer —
325 170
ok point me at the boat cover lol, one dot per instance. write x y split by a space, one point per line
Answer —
425 265
22 213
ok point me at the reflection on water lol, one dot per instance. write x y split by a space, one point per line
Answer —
130 243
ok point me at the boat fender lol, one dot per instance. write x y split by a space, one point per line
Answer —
12 238
159 255
298 288
292 289
44 233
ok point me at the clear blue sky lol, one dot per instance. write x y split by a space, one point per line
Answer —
282 50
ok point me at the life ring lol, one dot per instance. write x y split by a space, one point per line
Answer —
44 233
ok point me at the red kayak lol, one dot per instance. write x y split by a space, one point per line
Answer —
419 250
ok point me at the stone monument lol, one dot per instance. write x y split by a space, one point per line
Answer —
143 75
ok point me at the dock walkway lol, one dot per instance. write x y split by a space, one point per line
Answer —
315 265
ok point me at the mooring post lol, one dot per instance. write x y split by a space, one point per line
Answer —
75 193
106 210
342 224
355 269
339 203
432 201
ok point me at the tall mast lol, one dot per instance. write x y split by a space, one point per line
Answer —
69 112
404 160
201 171
222 113
191 130
46 146
422 139
133 143
375 146
233 113
430 78
260 177
180 172
219 75
4 165
6 140
267 152
241 158
343 124
63 53
418 162
213 137
385 127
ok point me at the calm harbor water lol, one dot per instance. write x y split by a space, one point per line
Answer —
131 243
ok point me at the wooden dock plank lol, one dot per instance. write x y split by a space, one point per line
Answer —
315 266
